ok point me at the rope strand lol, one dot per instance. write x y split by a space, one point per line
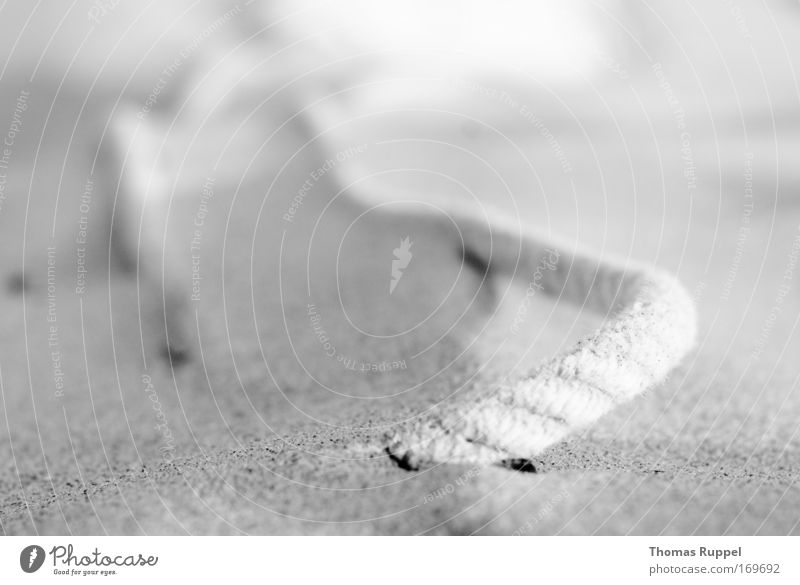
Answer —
653 328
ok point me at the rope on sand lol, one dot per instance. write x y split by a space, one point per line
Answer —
652 328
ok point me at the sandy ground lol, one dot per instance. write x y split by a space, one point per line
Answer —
267 434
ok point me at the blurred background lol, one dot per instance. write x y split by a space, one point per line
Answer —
609 102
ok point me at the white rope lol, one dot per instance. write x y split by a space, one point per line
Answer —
652 328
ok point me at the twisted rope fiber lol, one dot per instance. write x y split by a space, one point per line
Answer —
652 328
